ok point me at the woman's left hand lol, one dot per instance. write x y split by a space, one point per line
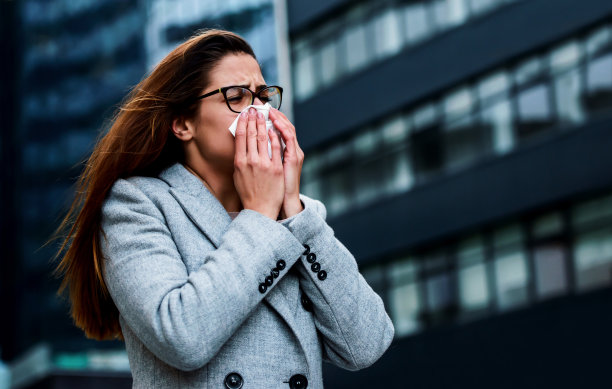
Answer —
293 158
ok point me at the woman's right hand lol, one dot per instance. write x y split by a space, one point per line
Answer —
259 180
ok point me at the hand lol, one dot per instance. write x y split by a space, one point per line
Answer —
293 159
258 178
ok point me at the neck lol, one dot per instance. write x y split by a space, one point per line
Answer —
220 185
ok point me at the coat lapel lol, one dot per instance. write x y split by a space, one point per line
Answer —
209 215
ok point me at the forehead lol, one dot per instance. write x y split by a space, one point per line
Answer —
236 69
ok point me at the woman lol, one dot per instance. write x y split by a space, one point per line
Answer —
175 243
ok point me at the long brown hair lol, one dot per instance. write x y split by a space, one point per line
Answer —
138 142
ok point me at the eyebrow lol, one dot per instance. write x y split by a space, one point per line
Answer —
259 87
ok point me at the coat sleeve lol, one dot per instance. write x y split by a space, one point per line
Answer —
184 318
349 315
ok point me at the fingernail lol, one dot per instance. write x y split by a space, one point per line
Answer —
244 114
252 111
260 115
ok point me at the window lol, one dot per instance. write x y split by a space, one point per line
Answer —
511 271
416 22
304 74
593 243
356 47
405 297
474 293
388 38
550 272
329 62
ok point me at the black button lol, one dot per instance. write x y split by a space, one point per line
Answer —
269 280
306 303
311 257
280 264
315 267
322 275
263 287
233 381
298 381
274 273
307 251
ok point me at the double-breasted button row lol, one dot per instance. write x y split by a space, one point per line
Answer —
274 273
314 265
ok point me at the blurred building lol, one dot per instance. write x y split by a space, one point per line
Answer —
69 65
462 148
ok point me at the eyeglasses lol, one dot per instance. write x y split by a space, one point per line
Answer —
238 98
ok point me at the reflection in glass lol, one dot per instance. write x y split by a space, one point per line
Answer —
416 22
356 47
599 84
593 259
511 277
472 276
329 62
534 110
404 297
499 117
550 272
305 82
387 33
568 94
449 13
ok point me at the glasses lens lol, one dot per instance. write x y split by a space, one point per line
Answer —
238 98
271 95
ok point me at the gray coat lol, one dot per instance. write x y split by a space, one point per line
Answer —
205 301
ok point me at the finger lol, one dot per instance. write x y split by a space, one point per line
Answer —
276 147
252 137
262 136
240 141
279 119
289 139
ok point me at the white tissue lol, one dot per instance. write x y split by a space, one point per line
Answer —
265 110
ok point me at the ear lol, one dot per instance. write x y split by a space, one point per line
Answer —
183 129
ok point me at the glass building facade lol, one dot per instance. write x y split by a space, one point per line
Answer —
76 61
463 160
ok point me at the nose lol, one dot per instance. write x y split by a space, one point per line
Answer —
256 101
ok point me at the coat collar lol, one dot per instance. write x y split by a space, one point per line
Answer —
202 207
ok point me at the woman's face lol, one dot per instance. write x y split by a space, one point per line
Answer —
213 142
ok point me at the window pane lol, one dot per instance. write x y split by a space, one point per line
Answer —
481 6
473 289
528 70
304 77
387 33
599 41
568 96
416 22
494 85
566 56
511 278
356 47
599 73
592 212
439 292
535 112
547 225
329 62
405 307
404 297
498 117
449 13
551 278
593 259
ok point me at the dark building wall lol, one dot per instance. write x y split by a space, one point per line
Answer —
559 344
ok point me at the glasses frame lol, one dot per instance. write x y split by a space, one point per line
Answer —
253 94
